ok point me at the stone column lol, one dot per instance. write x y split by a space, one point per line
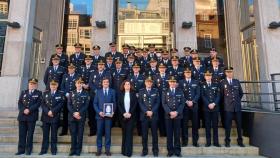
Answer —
185 12
18 46
103 11
233 37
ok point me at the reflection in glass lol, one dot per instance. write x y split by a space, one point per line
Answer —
141 22
210 26
4 11
78 25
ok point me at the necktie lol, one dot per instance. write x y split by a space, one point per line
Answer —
136 76
209 84
230 82
53 93
149 91
77 56
118 71
173 91
100 73
96 57
30 92
55 68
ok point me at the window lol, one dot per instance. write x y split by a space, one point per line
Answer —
4 11
207 41
78 24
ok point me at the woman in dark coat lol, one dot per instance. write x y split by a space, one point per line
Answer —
127 105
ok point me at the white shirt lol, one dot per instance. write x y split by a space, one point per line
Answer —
229 80
126 101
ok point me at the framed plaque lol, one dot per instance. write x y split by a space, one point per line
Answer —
108 109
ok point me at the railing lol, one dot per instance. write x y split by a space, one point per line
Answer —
262 96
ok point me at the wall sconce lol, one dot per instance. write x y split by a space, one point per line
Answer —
187 25
14 25
274 25
100 24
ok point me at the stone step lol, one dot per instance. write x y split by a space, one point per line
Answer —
137 149
115 130
116 139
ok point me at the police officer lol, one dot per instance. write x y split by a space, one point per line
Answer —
173 102
114 53
149 103
152 70
78 103
217 71
62 56
161 83
191 89
138 83
165 59
96 55
28 105
213 54
67 86
144 60
210 93
85 72
152 52
176 70
54 72
109 66
198 70
125 53
232 93
186 61
78 58
52 104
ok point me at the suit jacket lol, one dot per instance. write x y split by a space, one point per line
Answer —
198 74
191 91
178 74
78 103
52 103
31 102
149 102
95 80
68 83
100 99
232 95
137 82
118 78
133 104
210 94
173 102
51 74
117 55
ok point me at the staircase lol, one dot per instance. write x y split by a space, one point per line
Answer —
9 140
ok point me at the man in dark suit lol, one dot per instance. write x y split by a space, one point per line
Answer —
28 106
152 70
217 71
152 52
165 59
213 54
149 103
144 60
54 72
232 94
67 86
52 104
186 61
78 58
62 56
104 122
191 89
78 103
114 53
109 65
173 102
210 92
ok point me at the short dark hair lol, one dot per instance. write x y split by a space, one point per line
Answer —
123 83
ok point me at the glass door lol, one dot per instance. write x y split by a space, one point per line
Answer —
141 22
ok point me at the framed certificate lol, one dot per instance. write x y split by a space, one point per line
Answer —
108 109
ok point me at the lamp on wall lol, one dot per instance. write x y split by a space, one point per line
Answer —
187 25
274 25
13 24
100 24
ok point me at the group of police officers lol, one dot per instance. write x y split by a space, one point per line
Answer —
181 89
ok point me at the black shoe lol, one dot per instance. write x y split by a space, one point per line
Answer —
208 145
195 145
72 153
108 153
184 144
179 155
92 133
42 153
227 145
28 153
241 145
155 154
63 134
144 154
78 154
217 145
19 153
98 153
53 153
169 155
